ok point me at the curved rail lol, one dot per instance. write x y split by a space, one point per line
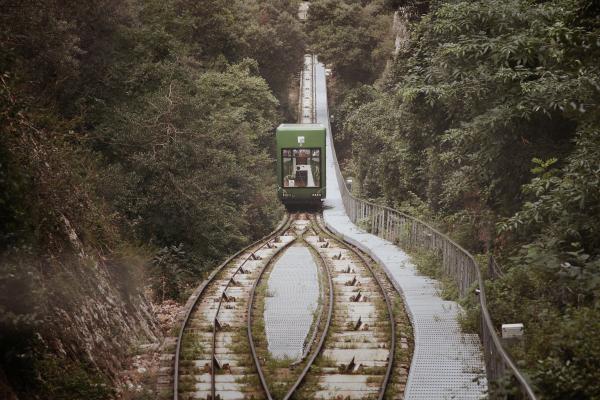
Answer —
388 302
317 350
198 294
314 353
261 375
319 346
231 279
317 322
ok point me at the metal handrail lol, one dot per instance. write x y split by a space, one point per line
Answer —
457 262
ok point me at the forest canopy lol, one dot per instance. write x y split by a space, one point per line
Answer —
131 130
487 122
140 133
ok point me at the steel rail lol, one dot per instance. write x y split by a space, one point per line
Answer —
314 353
300 95
239 268
317 350
314 87
261 374
309 343
282 226
319 347
388 302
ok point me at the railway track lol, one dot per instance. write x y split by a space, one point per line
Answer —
351 352
283 381
207 363
306 101
354 344
395 318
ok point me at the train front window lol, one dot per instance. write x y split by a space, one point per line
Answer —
301 168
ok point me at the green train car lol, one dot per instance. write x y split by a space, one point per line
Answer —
301 164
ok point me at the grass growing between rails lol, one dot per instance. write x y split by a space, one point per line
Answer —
282 373
278 382
192 348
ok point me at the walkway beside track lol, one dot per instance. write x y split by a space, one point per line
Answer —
446 364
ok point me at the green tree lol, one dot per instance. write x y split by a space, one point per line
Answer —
483 89
349 36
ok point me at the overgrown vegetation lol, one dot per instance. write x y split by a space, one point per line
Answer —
429 263
487 123
138 134
352 36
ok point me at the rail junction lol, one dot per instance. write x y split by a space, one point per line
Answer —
365 325
358 348
359 344
359 341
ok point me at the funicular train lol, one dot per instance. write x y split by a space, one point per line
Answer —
301 164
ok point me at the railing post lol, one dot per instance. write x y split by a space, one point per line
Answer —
412 233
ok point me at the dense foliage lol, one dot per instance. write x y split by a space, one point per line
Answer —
352 36
488 123
133 130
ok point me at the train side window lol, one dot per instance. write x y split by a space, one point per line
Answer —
288 170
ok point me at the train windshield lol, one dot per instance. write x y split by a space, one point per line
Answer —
301 168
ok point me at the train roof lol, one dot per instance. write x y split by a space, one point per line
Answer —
301 127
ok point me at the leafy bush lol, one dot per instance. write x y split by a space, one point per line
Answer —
137 130
490 117
61 380
353 38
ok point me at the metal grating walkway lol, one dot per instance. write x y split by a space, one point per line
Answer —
292 298
447 364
